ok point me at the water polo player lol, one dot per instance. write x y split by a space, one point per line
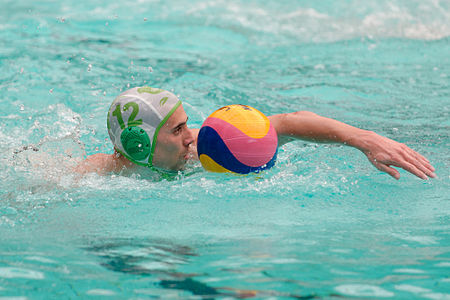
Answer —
148 127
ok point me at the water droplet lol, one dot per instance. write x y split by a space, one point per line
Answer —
132 77
82 58
22 107
128 85
51 91
104 93
89 67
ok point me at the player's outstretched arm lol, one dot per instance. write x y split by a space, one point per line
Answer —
382 152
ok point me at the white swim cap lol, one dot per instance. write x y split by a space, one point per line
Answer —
134 120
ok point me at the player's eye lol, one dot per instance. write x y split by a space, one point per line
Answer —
177 130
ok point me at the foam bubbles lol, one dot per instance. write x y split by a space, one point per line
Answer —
363 290
409 271
411 288
318 23
40 259
10 272
100 292
424 240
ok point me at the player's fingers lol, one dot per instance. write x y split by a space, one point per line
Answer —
419 157
410 168
391 171
417 161
424 161
427 169
404 147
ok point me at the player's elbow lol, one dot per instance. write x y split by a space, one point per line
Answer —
288 124
293 119
303 114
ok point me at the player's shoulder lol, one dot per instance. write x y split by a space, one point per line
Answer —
98 163
100 157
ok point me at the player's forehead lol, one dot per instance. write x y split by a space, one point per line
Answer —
178 116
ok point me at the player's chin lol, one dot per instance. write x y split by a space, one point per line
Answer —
182 161
180 165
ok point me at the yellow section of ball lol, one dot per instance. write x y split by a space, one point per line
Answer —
209 164
247 119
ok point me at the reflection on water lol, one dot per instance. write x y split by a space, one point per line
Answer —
159 260
152 258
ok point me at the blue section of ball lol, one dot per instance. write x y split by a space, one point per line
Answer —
212 145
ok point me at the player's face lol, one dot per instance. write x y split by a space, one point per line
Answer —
174 139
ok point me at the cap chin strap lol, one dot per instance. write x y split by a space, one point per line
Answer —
165 174
155 136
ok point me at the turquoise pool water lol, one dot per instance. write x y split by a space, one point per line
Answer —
322 224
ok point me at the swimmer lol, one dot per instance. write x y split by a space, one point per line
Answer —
167 143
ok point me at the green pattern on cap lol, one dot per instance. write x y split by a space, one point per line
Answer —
150 90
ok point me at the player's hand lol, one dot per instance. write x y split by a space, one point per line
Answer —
385 154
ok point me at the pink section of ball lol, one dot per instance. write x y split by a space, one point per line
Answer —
249 151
